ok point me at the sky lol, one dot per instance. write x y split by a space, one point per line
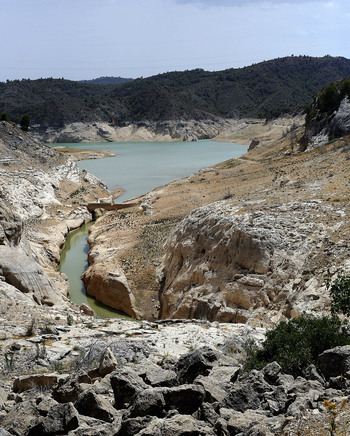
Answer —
85 39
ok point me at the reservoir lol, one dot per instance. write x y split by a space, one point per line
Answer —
138 168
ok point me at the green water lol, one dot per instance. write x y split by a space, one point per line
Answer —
138 168
73 263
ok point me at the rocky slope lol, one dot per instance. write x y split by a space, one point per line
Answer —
66 375
328 116
172 130
41 201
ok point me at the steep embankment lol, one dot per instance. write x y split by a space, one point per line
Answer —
260 253
328 116
42 196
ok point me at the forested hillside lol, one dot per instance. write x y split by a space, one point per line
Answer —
265 90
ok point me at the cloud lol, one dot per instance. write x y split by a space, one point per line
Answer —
230 3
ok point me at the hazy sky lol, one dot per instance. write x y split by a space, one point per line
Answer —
84 39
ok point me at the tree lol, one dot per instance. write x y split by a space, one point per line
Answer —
340 294
296 344
4 116
25 123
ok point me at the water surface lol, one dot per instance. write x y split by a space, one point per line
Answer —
139 167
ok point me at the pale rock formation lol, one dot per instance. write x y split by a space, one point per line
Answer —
36 183
226 263
22 272
169 130
340 124
110 288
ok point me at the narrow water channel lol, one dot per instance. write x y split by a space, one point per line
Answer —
137 168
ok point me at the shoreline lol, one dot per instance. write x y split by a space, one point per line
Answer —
220 129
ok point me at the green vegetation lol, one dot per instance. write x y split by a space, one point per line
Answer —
107 80
4 116
327 101
25 123
296 344
267 89
31 328
340 295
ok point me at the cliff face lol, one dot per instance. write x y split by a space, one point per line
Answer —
35 216
230 264
328 116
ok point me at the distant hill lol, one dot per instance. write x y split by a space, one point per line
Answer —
106 80
264 90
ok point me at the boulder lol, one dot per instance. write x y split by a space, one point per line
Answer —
68 389
86 309
108 363
178 425
126 383
186 399
335 362
156 376
26 382
148 402
21 418
217 384
242 423
198 362
23 273
11 226
111 288
96 406
253 144
133 426
60 419
271 372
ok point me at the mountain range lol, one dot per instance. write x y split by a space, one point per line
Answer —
263 90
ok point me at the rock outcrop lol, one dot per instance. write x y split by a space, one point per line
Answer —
328 116
226 263
207 391
111 288
39 192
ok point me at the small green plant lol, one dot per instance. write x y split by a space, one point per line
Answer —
70 319
340 294
40 351
48 328
58 366
4 116
296 344
333 409
9 363
31 328
25 123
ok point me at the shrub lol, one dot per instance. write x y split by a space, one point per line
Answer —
25 123
296 344
340 295
4 116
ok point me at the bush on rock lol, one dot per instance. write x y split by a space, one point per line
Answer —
296 344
